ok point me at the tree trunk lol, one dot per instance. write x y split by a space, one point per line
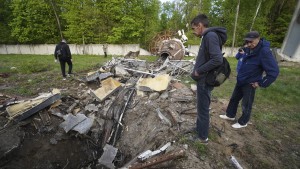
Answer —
57 19
200 5
258 7
235 24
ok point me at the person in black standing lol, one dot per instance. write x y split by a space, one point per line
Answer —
209 57
63 53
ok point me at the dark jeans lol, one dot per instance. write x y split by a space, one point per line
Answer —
63 66
247 93
203 103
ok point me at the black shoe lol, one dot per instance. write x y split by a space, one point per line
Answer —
198 140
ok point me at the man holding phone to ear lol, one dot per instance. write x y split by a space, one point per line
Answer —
257 60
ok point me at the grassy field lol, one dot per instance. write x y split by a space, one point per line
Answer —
276 109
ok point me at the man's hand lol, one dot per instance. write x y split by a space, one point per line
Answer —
196 73
255 85
55 60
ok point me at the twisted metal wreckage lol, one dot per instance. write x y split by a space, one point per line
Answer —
120 80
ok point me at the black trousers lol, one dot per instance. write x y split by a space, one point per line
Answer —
245 93
63 66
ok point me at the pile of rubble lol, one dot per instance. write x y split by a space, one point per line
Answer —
133 116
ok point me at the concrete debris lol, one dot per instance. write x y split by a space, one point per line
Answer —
71 121
108 156
98 112
53 141
120 71
85 125
91 108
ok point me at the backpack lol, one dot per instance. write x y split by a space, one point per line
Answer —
59 52
218 75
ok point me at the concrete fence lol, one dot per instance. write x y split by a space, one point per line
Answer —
92 49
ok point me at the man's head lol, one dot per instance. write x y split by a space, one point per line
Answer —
199 24
64 41
252 39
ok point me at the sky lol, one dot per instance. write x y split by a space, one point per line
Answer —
165 1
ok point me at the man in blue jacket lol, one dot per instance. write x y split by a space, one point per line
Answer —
257 61
209 57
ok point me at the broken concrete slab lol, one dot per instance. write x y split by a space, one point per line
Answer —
91 108
108 156
92 76
120 71
71 121
84 126
158 83
109 86
25 109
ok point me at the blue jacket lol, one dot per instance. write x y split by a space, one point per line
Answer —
210 45
255 63
239 57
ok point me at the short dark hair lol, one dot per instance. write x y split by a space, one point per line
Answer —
201 18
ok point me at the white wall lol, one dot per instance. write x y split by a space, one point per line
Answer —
91 49
195 48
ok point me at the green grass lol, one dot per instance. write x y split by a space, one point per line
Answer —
31 74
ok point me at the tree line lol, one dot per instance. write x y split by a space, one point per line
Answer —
137 21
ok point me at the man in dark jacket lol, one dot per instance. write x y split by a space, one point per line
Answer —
63 53
209 57
258 60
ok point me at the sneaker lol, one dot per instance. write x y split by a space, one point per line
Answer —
198 140
64 78
238 125
226 117
68 75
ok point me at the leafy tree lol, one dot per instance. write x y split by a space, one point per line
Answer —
32 22
5 16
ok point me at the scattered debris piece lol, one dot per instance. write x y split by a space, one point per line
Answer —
109 86
158 83
108 156
148 153
25 109
159 159
71 121
235 163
